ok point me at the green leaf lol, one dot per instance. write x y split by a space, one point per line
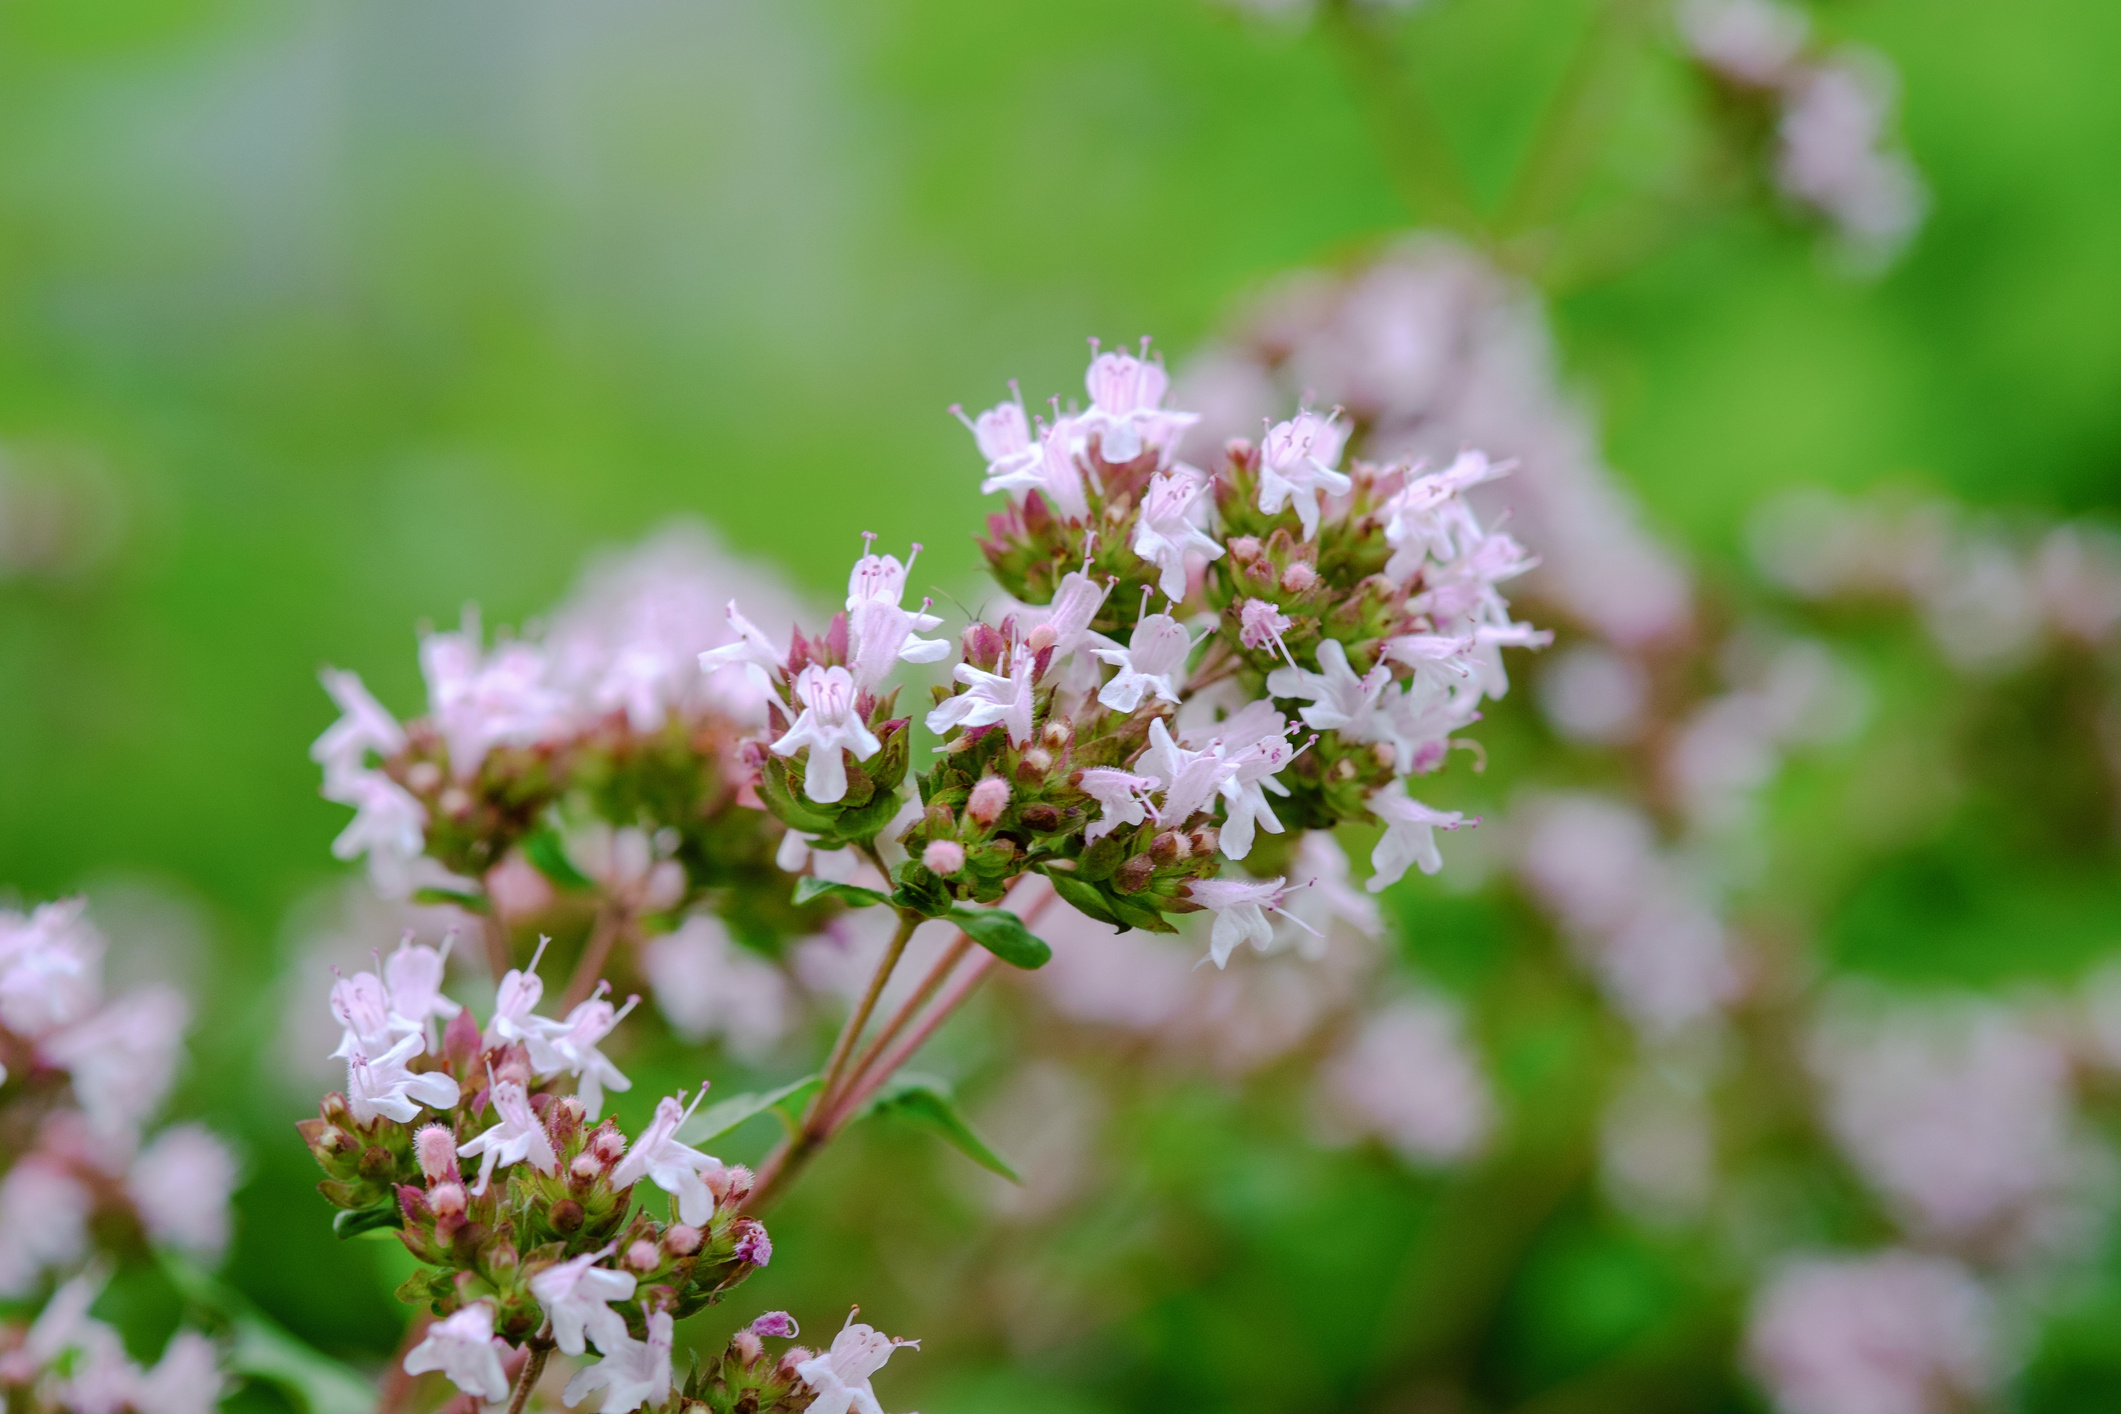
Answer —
546 851
352 1222
1084 897
782 802
810 887
263 1351
926 1101
470 903
1003 934
720 1118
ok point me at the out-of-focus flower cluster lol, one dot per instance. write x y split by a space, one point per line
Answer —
1830 115
484 1149
82 1183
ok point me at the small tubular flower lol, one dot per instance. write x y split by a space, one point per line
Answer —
1166 532
1410 835
577 1296
573 1049
1120 795
673 1167
1340 701
414 975
1296 463
840 1377
462 1347
632 1373
365 726
1241 910
1003 435
1154 660
828 725
520 1137
880 632
1190 779
990 699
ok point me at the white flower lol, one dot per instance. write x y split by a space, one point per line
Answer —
1241 910
481 700
463 1348
662 1160
414 976
1154 660
1003 435
389 824
516 999
1339 700
1126 407
1409 838
1067 622
122 1059
1416 720
385 1086
51 967
573 1049
990 699
1296 462
1260 623
1190 779
752 651
1166 530
519 1137
1441 656
1429 517
1055 475
840 1376
1120 797
186 1380
365 726
361 1006
879 631
576 1296
632 1372
180 1186
1244 794
828 725
797 852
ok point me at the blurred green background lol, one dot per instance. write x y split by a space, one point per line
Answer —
350 313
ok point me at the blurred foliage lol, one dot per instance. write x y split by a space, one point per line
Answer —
365 310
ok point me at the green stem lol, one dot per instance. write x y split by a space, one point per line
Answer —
611 921
1574 127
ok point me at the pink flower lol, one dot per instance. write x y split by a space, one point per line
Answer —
1410 835
1165 534
520 1137
180 1185
1241 910
463 1347
840 1376
1154 660
1889 1333
1296 463
990 699
828 725
673 1167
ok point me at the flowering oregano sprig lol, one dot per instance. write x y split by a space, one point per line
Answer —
542 1247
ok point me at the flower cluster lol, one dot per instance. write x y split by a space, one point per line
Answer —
1831 112
1322 634
585 782
539 1246
80 1186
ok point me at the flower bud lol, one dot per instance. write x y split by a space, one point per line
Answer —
1344 769
1170 847
1042 638
446 1200
989 798
1037 761
940 821
422 777
1298 577
793 1356
514 1066
944 857
1242 452
1206 840
567 1217
571 1110
643 1257
455 802
778 1324
983 645
682 1239
1057 734
585 1167
717 1181
748 1347
461 1042
752 1243
1135 875
740 1181
1244 549
1040 817
1383 752
436 1149
609 1146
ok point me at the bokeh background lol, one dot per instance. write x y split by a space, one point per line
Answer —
318 321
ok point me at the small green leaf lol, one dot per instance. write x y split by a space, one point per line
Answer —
263 1351
352 1222
785 807
470 903
720 1118
926 1101
546 851
810 888
1003 934
1084 897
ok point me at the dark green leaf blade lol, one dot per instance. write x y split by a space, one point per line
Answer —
352 1222
1003 934
546 851
927 1101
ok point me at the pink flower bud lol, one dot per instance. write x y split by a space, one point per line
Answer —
572 1110
793 1356
1037 761
1244 549
778 1324
643 1257
1298 577
456 801
682 1240
518 889
989 799
1042 638
945 857
752 1243
446 1200
740 1181
422 777
609 1146
748 1346
585 1166
436 1149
